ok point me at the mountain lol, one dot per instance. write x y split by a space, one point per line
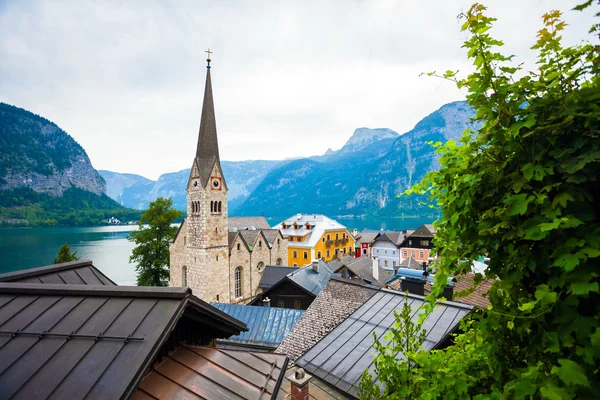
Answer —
135 191
36 153
364 176
46 177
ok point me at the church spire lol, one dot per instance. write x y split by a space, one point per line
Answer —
207 151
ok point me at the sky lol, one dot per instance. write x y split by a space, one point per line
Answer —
290 78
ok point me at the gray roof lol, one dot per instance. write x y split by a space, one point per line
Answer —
273 274
337 300
76 341
309 280
390 236
243 223
80 272
410 263
367 236
267 326
363 268
424 231
346 352
231 238
271 234
335 263
207 151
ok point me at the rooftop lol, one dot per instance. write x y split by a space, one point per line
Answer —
80 272
247 223
273 274
267 326
319 224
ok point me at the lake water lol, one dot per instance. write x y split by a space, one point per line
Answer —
109 249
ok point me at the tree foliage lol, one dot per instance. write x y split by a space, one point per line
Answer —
152 239
522 189
65 255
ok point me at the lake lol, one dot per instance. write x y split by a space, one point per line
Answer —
108 248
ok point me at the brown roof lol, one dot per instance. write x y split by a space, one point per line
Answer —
193 372
465 282
424 231
80 272
317 389
76 341
337 300
242 223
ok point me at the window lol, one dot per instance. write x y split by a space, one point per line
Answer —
280 303
219 206
217 258
277 241
385 252
414 254
184 276
393 252
385 263
212 206
217 297
328 253
279 261
405 253
323 240
184 240
410 242
294 254
328 237
421 254
297 304
295 265
336 236
394 263
238 247
425 242
319 254
260 243
238 282
306 255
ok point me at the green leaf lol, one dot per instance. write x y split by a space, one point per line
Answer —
571 373
583 288
567 261
548 226
510 325
517 204
553 392
528 306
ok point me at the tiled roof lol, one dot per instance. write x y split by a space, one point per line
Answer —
193 372
337 300
465 282
76 341
267 326
247 223
317 389
319 225
271 234
341 357
250 237
80 272
273 274
363 268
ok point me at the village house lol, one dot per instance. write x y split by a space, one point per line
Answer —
364 241
314 236
418 244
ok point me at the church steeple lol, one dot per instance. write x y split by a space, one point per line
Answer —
207 151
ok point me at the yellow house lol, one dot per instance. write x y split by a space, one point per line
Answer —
314 236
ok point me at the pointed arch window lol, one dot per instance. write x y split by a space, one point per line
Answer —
238 282
184 279
279 261
219 206
212 206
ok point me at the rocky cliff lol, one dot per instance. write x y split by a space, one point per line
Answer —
37 154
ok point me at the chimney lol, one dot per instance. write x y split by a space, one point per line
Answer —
338 254
448 292
412 285
266 302
375 269
424 266
299 385
315 266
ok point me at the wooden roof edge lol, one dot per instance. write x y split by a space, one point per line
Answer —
47 269
49 289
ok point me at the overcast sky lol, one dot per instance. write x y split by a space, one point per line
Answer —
290 78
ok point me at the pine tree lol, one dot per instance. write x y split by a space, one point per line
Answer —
65 255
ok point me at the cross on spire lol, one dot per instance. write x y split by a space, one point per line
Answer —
208 58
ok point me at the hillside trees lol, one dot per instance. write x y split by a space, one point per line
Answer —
524 190
152 251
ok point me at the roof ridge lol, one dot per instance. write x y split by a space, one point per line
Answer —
26 273
96 290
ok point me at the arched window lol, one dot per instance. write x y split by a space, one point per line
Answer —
279 261
260 243
238 247
184 276
211 206
219 206
238 282
260 266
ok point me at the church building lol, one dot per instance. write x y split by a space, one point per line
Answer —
219 260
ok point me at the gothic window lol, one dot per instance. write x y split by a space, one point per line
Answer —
184 276
260 243
238 247
279 261
219 210
238 282
278 242
212 205
184 240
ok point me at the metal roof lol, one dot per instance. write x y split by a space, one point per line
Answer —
346 352
193 372
310 280
267 326
273 274
76 341
80 272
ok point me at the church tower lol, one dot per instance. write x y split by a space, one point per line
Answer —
200 259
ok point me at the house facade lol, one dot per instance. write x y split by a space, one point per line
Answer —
418 245
314 236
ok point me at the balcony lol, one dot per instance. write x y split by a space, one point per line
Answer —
328 243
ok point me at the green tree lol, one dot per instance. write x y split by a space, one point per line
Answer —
152 239
524 190
65 255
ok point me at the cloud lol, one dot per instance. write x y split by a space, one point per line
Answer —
290 78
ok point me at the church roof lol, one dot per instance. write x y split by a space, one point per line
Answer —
207 151
247 223
270 234
80 272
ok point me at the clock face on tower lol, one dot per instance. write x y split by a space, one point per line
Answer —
215 183
195 184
